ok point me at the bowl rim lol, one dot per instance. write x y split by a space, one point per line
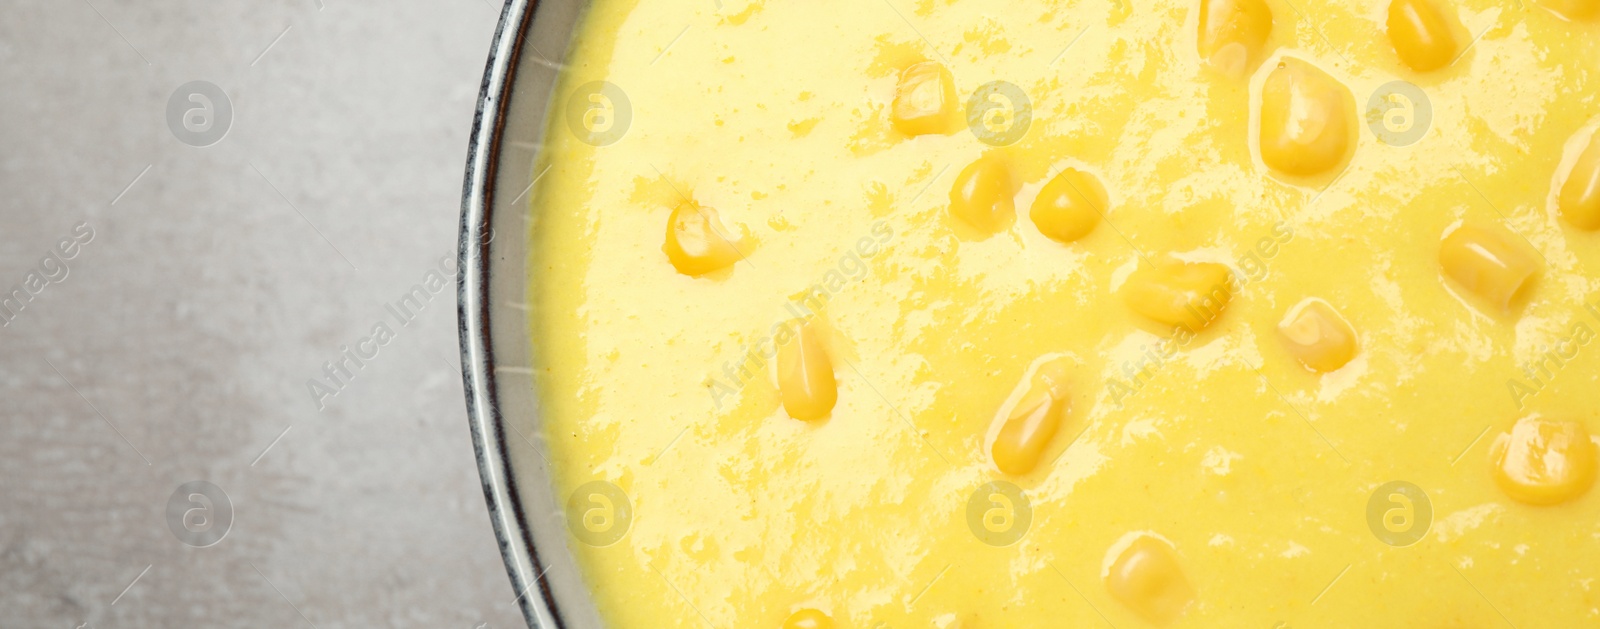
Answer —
511 529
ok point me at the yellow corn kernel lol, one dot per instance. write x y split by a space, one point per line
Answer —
1484 261
808 619
1306 119
1580 195
1544 462
805 375
1317 336
1146 579
982 195
1027 429
1069 206
696 242
1576 10
1172 292
1422 34
1233 34
925 100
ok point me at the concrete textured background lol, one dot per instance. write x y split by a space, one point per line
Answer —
179 344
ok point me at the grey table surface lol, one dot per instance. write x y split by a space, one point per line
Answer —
178 344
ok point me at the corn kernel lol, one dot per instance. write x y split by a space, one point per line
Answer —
1580 195
1027 429
1317 336
1486 264
982 195
805 375
1146 579
1422 34
696 241
1544 462
808 619
1069 206
925 100
1233 34
1306 120
1577 10
1172 292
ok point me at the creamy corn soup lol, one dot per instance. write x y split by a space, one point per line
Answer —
1005 313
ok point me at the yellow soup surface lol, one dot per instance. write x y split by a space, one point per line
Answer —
1029 313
